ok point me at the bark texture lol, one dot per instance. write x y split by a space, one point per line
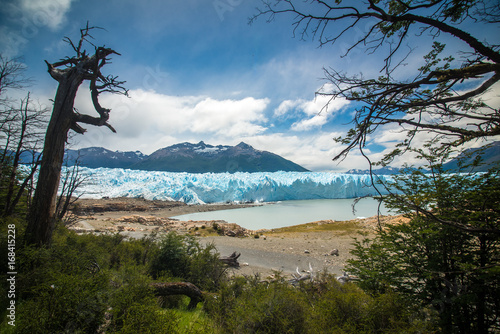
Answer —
70 73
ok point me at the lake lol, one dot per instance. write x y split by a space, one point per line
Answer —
289 213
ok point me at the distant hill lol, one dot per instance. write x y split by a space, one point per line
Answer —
379 171
187 157
202 158
490 155
95 157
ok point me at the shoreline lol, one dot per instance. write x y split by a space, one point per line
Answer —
263 252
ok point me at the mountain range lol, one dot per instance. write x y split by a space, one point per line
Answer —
490 157
187 157
203 158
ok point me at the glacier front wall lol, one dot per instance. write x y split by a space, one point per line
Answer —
223 187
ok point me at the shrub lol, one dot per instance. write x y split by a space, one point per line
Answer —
183 257
67 303
149 320
249 307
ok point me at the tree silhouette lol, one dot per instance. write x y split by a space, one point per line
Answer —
441 97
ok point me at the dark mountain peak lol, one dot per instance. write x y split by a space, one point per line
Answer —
95 157
203 158
244 146
187 157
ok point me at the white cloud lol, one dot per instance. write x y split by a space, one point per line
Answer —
26 19
159 120
229 117
50 13
316 112
286 106
314 152
310 123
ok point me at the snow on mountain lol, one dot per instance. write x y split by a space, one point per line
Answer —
187 157
204 158
223 187
95 157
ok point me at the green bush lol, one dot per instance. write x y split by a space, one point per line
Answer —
71 286
64 304
183 257
89 283
148 319
347 309
133 306
249 307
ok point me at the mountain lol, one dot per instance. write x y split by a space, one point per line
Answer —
379 171
186 157
490 157
95 157
202 158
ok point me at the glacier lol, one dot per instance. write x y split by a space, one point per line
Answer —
223 187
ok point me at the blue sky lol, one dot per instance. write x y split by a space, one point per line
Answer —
196 70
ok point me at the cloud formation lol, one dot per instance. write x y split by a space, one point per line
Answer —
313 114
50 13
150 117
26 20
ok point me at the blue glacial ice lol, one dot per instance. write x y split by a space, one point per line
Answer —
223 187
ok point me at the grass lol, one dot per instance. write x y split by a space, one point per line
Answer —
339 227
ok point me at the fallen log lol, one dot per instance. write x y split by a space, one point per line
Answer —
231 260
179 288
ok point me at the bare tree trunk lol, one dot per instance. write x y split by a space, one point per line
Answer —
69 73
41 220
179 288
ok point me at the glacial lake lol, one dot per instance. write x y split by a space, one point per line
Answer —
289 213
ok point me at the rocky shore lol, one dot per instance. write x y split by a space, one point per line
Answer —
322 245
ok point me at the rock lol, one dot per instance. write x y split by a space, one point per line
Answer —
307 251
334 252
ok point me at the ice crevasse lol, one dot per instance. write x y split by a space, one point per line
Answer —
223 187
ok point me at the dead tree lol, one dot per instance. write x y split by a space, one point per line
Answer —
70 73
179 288
231 260
71 181
26 137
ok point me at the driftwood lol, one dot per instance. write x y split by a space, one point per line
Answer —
307 275
179 288
231 260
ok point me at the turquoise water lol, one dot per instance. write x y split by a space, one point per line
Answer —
289 213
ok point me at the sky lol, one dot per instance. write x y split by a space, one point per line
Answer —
196 70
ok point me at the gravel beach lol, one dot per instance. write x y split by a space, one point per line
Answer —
263 252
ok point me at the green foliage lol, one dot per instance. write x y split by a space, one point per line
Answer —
446 256
148 319
70 304
347 309
182 256
250 306
88 283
